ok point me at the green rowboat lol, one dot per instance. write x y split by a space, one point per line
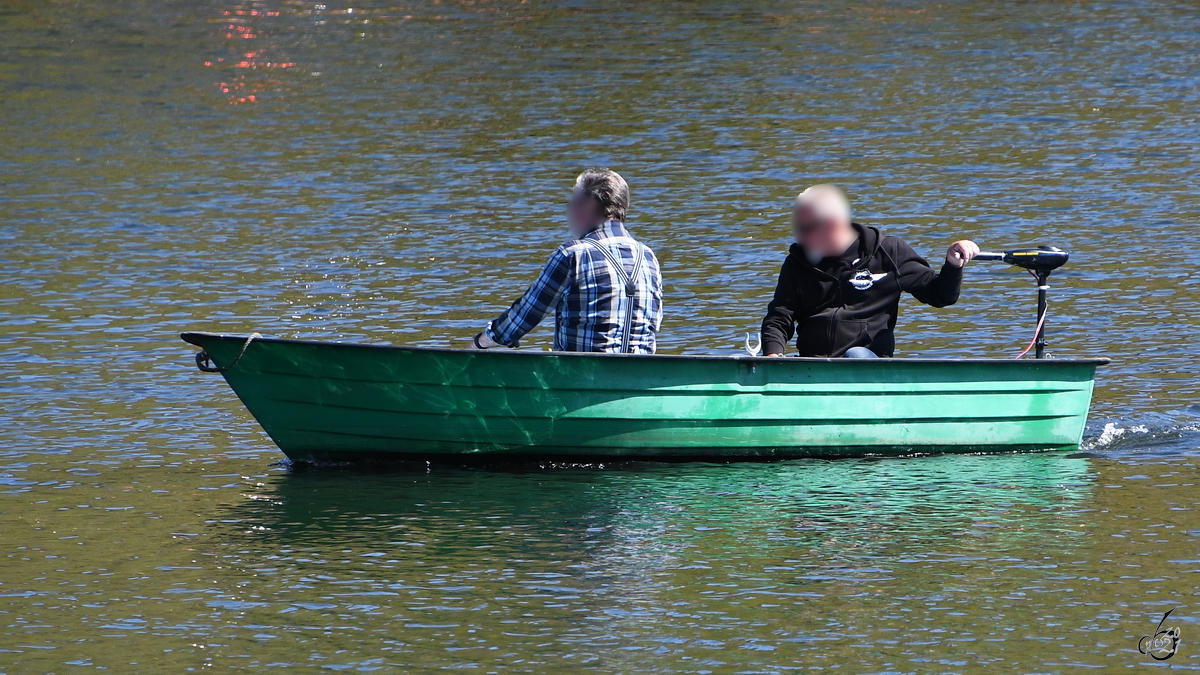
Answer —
337 402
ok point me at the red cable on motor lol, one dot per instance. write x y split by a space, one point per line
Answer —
1036 333
1041 322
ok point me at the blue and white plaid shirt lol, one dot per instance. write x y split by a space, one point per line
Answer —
589 300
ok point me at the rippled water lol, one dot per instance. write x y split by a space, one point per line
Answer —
397 173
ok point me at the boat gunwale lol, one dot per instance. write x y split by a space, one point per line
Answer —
195 338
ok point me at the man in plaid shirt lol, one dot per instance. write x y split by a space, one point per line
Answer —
604 286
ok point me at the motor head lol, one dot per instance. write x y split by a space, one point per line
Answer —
1040 259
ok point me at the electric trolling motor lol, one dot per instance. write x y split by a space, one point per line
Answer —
1041 261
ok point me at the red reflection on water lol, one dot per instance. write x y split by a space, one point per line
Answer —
246 77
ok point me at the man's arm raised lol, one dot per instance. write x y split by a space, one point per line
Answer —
934 288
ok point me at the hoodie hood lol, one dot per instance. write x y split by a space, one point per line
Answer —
869 241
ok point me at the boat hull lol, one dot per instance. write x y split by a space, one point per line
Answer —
325 402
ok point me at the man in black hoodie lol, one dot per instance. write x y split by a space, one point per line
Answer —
839 289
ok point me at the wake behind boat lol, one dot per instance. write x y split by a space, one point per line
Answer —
336 402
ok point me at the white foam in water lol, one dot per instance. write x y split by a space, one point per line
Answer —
1111 433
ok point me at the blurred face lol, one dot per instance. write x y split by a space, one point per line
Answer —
583 213
820 229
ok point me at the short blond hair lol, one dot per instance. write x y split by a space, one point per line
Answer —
827 200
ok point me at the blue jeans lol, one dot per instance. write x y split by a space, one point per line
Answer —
860 353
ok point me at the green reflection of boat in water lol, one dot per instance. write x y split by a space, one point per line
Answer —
660 519
322 401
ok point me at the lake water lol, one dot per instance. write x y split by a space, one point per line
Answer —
391 172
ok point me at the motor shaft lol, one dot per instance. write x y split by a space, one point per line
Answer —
1040 340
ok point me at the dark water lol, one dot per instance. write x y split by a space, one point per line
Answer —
397 173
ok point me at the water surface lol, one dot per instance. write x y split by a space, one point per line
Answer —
392 172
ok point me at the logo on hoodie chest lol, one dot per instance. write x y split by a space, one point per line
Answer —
863 279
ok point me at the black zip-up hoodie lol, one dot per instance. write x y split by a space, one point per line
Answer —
852 301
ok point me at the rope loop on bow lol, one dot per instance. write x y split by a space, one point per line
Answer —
205 363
